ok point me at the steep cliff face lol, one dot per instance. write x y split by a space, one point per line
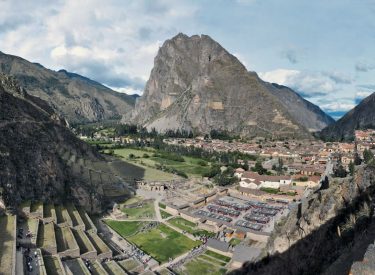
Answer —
324 227
77 98
197 85
361 117
39 155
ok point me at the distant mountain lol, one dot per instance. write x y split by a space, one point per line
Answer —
77 98
41 159
197 85
361 117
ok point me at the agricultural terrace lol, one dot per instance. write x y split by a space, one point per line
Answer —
65 239
53 265
188 226
112 268
83 241
7 239
97 269
89 225
74 215
98 243
46 236
160 242
172 163
36 207
49 211
77 266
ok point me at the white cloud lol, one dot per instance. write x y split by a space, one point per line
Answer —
113 42
307 83
337 106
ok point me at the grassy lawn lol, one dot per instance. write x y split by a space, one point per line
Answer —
189 227
198 266
163 243
124 228
145 211
217 256
183 224
191 166
164 214
211 260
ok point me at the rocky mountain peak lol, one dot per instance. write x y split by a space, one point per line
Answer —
197 85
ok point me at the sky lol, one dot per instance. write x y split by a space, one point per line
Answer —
324 50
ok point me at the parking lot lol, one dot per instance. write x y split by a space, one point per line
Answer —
247 214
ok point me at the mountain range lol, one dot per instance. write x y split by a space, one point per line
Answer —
77 98
196 85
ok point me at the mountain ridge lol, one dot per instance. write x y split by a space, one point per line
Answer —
360 117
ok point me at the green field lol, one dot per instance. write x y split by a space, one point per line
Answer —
200 266
164 214
217 256
163 243
145 211
188 226
125 229
191 166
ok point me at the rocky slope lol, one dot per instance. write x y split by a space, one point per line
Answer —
361 117
77 98
40 159
321 234
197 85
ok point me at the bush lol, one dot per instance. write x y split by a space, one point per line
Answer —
202 163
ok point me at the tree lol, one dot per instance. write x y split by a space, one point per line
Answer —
368 156
351 168
340 172
357 159
259 168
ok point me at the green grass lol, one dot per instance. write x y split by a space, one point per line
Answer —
145 211
197 266
164 214
124 228
162 205
183 224
163 243
217 256
191 166
235 241
189 227
211 260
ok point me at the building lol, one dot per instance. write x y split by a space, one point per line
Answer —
255 181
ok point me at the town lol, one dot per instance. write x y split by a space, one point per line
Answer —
181 225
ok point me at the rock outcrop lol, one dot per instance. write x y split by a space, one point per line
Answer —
76 98
196 85
361 117
41 159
